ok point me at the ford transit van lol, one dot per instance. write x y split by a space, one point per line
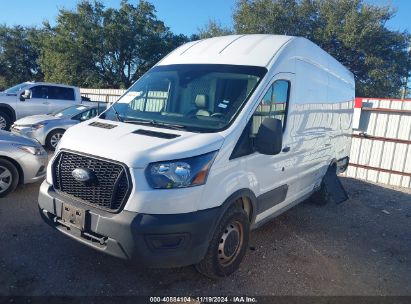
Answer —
220 136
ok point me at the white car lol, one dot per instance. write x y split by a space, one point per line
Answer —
31 98
22 161
220 136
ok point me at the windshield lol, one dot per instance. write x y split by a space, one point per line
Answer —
16 88
70 111
198 97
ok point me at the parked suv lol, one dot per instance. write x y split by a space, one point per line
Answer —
22 161
30 98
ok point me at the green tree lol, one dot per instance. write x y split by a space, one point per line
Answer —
213 29
95 46
18 55
352 31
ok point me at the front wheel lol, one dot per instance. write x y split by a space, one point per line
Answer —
228 245
9 177
5 121
53 139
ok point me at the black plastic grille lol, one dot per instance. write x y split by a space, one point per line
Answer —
102 125
109 190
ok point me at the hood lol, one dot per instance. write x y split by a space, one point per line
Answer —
35 119
7 137
122 144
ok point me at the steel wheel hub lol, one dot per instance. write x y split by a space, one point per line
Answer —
230 243
5 179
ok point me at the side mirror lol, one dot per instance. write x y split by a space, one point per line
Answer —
269 139
26 95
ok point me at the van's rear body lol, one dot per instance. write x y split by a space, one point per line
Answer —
156 176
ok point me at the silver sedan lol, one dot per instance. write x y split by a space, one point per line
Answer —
22 161
48 129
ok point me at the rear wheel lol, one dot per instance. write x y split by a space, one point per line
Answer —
9 177
53 139
5 121
228 245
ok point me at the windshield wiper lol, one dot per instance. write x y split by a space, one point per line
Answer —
156 124
116 113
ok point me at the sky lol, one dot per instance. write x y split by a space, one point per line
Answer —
182 16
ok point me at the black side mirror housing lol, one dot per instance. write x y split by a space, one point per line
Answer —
269 139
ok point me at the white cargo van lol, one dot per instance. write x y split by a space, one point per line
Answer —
217 138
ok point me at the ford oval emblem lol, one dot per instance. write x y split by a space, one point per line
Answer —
83 175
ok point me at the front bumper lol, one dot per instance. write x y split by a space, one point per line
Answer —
34 167
151 240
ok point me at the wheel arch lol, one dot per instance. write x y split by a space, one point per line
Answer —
9 110
56 129
246 199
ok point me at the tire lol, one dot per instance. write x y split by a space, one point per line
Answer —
9 177
228 245
5 121
51 138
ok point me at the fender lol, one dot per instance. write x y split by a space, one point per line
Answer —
237 195
11 109
230 201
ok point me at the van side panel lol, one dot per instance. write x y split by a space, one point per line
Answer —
341 94
319 119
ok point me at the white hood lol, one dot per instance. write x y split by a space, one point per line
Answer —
35 119
136 150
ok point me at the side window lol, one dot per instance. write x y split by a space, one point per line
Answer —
39 92
86 115
154 99
60 93
273 104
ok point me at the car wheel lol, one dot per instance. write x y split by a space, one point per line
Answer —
53 139
228 245
9 177
5 121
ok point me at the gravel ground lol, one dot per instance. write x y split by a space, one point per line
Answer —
361 247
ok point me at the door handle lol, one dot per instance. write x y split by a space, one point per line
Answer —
286 149
46 102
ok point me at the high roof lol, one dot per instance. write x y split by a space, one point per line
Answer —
254 50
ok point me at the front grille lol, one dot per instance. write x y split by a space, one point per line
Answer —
109 190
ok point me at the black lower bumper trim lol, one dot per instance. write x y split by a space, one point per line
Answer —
152 240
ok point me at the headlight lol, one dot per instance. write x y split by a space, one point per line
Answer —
38 126
32 150
180 173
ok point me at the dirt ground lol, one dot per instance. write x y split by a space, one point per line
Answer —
361 247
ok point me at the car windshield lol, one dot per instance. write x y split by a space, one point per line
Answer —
16 88
70 111
197 97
